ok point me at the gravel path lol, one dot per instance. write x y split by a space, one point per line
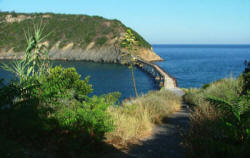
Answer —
166 140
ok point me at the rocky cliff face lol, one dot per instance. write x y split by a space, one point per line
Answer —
107 54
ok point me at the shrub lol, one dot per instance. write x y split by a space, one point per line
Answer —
55 107
50 106
63 83
101 40
85 119
219 125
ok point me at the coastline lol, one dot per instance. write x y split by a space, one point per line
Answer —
108 54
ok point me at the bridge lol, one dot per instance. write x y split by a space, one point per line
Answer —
162 77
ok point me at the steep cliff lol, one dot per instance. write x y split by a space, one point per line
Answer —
71 37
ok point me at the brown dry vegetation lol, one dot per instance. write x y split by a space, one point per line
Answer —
136 118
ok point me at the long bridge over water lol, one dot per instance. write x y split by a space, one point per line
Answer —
162 77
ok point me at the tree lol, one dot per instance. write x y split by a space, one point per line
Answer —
128 56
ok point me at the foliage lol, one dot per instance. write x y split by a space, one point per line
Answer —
141 41
246 78
63 83
47 106
78 29
136 118
112 98
35 62
128 57
101 40
88 117
220 122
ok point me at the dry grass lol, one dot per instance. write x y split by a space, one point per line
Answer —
136 118
222 89
205 118
202 110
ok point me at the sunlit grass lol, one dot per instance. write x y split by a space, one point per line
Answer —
136 118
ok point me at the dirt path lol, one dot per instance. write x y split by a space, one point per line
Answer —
166 140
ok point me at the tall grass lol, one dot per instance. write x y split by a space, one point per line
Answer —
223 88
217 125
136 118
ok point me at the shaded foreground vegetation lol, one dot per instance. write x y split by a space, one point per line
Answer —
220 121
47 112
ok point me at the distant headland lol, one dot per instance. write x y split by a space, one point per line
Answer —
71 37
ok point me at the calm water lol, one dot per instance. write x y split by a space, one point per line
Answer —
195 65
106 78
192 65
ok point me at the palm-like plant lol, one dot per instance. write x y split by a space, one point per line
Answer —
128 56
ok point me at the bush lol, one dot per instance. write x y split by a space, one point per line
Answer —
88 118
47 106
219 125
63 83
101 40
54 110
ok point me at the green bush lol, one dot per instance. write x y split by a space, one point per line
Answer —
88 118
63 83
47 106
55 107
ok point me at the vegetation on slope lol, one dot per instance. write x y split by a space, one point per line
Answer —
80 30
47 112
220 121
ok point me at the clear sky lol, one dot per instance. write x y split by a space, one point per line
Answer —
160 21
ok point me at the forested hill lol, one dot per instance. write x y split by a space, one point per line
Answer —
67 33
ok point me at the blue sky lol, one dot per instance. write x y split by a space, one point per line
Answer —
160 21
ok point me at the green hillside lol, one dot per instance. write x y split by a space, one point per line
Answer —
80 30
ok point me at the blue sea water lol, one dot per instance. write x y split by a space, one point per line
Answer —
195 65
191 65
105 78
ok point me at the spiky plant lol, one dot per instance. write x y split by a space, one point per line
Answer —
36 59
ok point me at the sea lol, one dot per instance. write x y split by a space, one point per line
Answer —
191 65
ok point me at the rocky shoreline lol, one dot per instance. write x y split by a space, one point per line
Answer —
108 54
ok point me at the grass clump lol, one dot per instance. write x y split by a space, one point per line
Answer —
220 120
136 118
221 89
